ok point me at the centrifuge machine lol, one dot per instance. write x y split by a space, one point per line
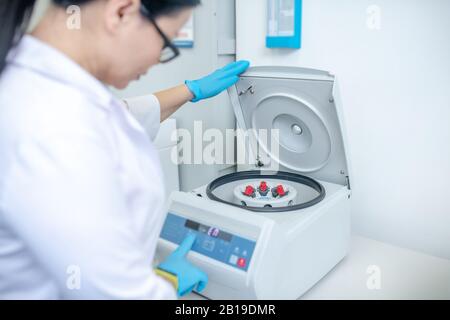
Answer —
264 234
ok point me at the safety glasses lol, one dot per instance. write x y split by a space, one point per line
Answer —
169 50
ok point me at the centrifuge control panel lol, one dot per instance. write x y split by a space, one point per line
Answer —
212 242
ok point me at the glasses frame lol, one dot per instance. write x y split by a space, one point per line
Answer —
167 43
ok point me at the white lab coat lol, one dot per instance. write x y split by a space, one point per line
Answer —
81 189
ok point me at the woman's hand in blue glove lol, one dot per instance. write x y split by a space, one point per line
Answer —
217 81
189 277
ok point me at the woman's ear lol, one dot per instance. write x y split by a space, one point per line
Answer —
118 12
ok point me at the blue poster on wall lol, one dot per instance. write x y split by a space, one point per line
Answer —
284 24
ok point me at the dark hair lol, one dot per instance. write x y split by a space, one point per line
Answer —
15 16
155 7
167 7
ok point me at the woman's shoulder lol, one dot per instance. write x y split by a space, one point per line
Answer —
30 101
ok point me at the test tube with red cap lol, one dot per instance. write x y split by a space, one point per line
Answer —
279 191
249 191
263 189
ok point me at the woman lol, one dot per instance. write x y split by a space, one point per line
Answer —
81 202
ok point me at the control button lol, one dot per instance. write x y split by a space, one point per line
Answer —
233 259
241 262
208 245
236 250
244 253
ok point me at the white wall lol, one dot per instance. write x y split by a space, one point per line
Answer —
395 84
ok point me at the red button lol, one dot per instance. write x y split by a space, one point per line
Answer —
241 262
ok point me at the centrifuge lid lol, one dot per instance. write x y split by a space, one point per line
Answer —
304 105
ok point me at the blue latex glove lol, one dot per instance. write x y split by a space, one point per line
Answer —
188 275
217 81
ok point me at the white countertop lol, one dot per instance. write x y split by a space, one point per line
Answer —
404 274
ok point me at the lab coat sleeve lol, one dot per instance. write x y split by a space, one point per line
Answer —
147 110
74 218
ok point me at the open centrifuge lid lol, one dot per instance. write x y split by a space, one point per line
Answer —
304 105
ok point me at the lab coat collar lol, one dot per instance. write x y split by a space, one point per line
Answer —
36 55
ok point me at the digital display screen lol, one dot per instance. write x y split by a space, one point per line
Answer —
210 231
